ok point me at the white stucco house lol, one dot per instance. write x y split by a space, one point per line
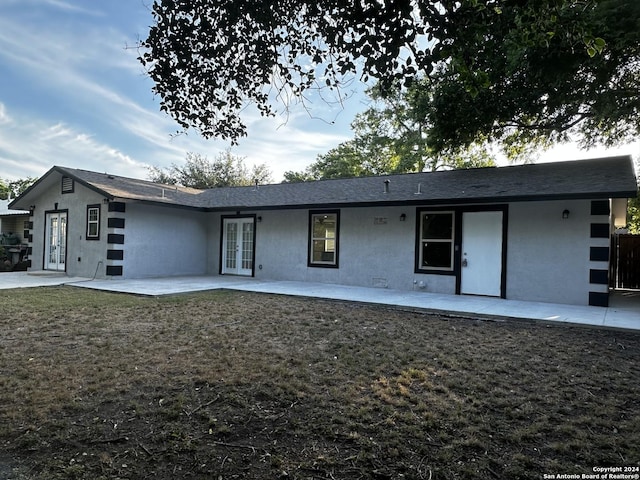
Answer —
530 232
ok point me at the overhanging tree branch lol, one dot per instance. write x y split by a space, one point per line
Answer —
488 62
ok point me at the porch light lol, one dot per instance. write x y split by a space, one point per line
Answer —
403 217
565 214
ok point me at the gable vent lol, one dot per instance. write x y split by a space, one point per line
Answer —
67 185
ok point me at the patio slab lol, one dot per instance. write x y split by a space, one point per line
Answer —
624 311
36 279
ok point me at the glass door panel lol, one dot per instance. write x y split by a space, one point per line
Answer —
238 246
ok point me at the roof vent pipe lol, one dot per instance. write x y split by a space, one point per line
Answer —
256 182
386 186
163 193
419 191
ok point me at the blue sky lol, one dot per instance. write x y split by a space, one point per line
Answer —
73 94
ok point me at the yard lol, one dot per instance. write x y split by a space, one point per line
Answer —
225 385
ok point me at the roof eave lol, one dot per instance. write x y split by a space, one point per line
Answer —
84 183
429 201
17 202
157 203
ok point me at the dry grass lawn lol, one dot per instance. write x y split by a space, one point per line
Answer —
225 385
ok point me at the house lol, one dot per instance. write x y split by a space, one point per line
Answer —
13 224
531 232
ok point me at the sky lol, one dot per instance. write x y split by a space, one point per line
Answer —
72 93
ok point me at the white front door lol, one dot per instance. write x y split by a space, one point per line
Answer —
56 241
237 246
481 269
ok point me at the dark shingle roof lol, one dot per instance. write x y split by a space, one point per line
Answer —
611 177
600 178
113 186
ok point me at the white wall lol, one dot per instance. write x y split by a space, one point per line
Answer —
548 256
83 256
373 255
161 241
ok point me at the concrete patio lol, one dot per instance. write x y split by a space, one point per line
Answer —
623 312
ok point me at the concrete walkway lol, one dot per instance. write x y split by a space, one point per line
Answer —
624 311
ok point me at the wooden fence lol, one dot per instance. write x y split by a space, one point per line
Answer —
625 261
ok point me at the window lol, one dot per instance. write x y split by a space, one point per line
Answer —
436 241
323 239
93 222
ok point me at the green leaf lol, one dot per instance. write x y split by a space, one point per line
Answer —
599 42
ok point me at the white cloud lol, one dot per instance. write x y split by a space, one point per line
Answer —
70 7
4 117
109 120
69 70
29 148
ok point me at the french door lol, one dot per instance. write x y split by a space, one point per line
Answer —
238 246
55 253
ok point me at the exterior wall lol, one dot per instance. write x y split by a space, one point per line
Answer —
18 227
376 249
83 257
136 240
14 224
214 236
160 241
548 256
549 259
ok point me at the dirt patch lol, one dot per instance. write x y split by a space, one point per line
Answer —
221 385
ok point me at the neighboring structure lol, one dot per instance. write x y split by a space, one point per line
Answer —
531 232
13 224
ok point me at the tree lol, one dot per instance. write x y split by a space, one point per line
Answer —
633 209
389 138
226 170
633 215
11 189
4 190
540 87
508 70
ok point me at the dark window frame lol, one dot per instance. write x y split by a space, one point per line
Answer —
419 268
335 263
71 185
97 207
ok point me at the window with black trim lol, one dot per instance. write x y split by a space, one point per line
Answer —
67 185
93 222
323 238
436 238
